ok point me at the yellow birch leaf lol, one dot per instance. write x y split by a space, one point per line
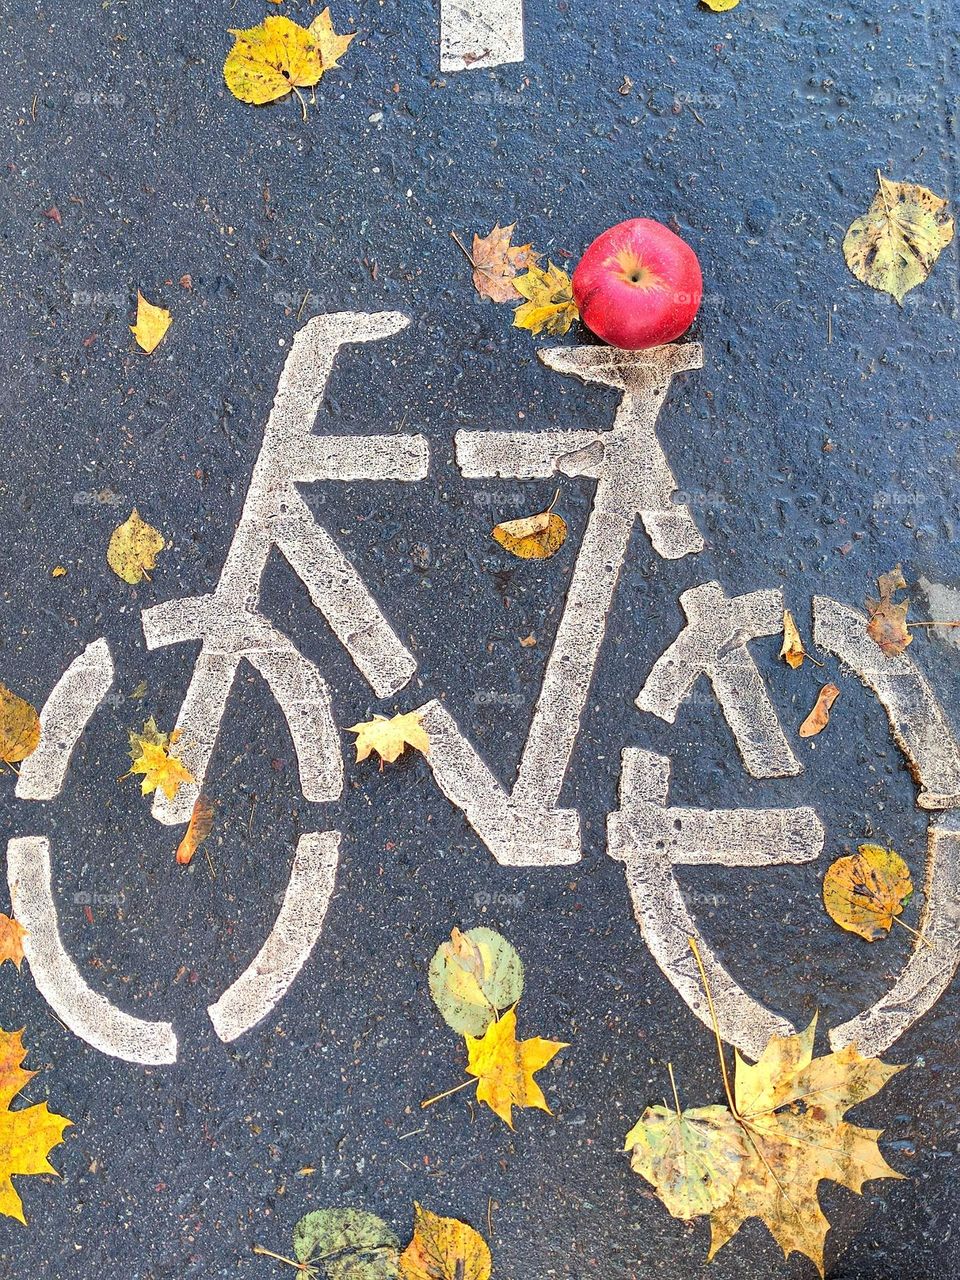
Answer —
271 60
496 263
888 621
791 1107
199 827
389 737
133 549
19 727
865 891
12 934
474 976
505 1067
792 650
549 304
693 1158
152 323
444 1249
895 245
150 756
330 46
532 537
27 1136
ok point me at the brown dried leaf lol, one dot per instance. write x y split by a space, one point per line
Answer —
819 717
888 621
496 261
201 824
792 650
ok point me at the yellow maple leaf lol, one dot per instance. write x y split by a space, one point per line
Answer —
28 1135
895 245
330 46
444 1249
549 304
505 1067
865 892
150 756
389 737
532 537
496 263
12 934
791 1108
19 727
133 549
152 323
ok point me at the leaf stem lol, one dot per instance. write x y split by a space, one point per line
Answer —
916 932
464 250
716 1027
676 1096
447 1093
303 1267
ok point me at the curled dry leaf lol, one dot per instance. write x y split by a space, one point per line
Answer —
496 262
819 717
345 1244
444 1249
505 1067
152 323
28 1135
473 977
792 650
12 934
888 621
199 827
133 549
532 537
549 304
150 756
895 245
19 727
865 891
389 737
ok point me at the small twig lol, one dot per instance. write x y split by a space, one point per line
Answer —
489 1218
303 304
933 624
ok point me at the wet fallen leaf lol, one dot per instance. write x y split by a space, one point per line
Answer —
150 756
865 891
58 571
496 262
329 44
199 827
133 549
19 727
505 1067
12 934
549 304
27 1136
444 1249
279 57
819 717
888 621
473 977
791 1108
152 323
792 650
693 1158
389 737
532 537
895 245
346 1244
721 6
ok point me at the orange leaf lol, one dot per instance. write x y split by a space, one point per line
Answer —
12 934
201 823
496 261
26 1136
819 717
888 621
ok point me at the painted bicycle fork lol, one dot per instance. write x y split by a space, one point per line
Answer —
522 826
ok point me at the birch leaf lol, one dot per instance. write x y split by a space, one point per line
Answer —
549 301
152 323
444 1249
133 549
346 1244
865 891
473 977
19 727
693 1158
895 245
271 60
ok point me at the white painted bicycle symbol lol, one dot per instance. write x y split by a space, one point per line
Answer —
521 826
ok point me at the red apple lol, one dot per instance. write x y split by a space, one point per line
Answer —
638 285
